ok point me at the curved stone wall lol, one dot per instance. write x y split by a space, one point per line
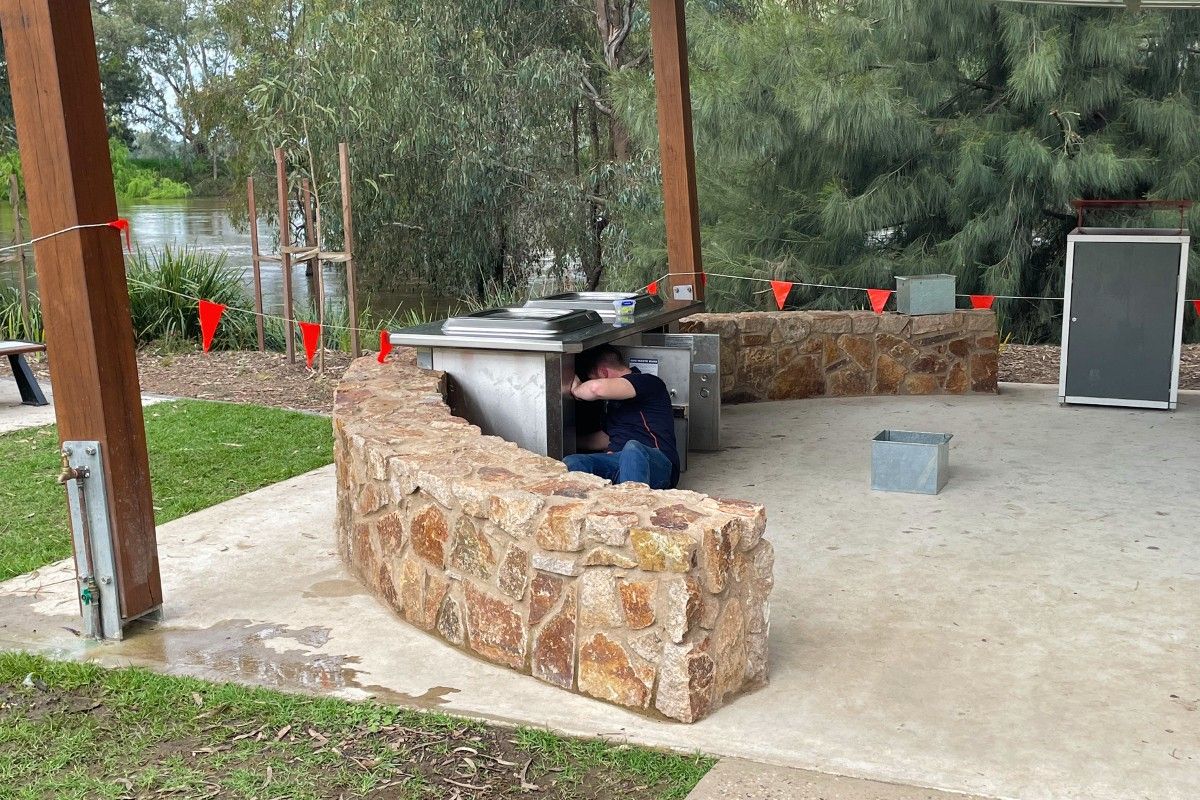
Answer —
791 355
654 600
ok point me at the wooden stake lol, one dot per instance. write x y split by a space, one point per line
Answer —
348 247
256 264
14 199
311 240
285 258
59 112
680 203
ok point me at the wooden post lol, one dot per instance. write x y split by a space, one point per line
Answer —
63 138
314 264
348 247
256 263
285 258
680 204
14 199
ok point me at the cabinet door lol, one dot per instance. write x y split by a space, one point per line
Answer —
1124 305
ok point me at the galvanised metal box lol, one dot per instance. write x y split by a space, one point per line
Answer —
908 461
925 294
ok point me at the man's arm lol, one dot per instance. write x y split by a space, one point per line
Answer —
603 389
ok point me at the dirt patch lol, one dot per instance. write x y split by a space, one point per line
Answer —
1021 363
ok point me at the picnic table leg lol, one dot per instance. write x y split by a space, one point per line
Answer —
27 384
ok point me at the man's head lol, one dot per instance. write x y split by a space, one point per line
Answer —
604 361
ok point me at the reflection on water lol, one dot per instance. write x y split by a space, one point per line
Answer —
205 224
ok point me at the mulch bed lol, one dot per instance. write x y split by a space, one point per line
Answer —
1023 363
268 379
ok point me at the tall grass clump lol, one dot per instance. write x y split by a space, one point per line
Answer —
162 283
11 324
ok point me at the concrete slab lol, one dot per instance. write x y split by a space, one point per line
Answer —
14 416
736 779
1029 633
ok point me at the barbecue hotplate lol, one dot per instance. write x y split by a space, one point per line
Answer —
600 302
542 323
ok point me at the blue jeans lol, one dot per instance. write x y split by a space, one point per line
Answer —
635 462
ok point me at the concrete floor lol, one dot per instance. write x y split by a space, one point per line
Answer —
15 416
1030 633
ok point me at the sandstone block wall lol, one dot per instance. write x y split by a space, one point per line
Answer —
654 600
791 355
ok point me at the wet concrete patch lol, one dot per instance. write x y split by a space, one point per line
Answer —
335 588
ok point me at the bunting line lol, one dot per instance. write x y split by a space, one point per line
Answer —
119 224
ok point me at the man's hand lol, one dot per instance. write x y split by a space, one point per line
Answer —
575 384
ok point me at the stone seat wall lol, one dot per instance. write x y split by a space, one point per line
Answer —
653 600
791 355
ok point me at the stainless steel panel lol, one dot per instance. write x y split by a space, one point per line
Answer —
704 394
505 394
432 335
532 322
600 302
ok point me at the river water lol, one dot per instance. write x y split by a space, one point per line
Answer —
205 224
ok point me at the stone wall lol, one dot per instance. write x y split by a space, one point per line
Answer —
790 355
654 600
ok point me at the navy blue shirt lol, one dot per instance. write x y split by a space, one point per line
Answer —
646 417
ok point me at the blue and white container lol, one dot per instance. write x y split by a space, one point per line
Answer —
625 309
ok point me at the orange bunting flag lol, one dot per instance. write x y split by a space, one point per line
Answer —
703 280
1196 305
879 298
781 289
385 345
210 315
311 332
653 287
982 301
123 225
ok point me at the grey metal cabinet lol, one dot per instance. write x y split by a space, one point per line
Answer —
1123 317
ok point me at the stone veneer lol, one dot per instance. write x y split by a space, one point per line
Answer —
648 599
790 355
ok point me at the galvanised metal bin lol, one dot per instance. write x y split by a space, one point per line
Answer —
908 461
925 294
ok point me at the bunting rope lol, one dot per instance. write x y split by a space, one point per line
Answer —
118 224
789 284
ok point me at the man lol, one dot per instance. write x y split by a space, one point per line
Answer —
637 441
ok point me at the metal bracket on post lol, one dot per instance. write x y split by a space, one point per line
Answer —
91 529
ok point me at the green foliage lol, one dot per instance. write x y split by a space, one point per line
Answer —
913 136
459 124
135 182
162 284
201 454
12 322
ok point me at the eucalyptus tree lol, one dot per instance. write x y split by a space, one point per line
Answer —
910 136
458 120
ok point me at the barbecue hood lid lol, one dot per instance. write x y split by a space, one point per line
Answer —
600 302
524 321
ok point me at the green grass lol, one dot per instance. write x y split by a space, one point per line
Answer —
200 454
84 732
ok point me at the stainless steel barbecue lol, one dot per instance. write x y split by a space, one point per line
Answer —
511 369
600 302
540 323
